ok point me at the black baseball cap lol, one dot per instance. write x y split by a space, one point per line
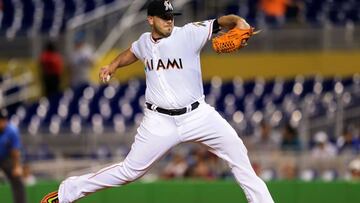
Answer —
162 9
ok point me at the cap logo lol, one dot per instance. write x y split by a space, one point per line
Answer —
168 6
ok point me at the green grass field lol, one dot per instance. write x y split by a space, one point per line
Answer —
205 192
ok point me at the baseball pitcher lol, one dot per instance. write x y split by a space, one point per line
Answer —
175 109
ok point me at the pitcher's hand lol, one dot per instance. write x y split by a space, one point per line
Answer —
242 24
106 72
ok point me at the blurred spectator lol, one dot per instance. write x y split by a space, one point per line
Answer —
82 61
202 170
290 140
264 138
102 153
176 168
323 149
257 168
10 155
274 11
347 142
198 164
28 178
289 171
295 11
218 168
354 168
51 64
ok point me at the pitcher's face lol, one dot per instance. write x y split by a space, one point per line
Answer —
162 26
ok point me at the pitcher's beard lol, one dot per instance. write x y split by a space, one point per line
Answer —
165 33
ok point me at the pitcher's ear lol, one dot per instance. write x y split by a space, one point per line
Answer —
150 20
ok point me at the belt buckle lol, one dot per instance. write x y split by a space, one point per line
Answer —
154 107
188 108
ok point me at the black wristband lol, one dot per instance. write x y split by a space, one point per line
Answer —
216 27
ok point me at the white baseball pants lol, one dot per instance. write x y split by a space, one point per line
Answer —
155 136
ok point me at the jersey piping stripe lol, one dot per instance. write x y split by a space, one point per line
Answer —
210 29
106 169
153 41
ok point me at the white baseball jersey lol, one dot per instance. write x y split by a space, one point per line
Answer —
172 64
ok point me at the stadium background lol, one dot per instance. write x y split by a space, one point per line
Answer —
299 77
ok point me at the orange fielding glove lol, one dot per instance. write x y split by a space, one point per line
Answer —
232 40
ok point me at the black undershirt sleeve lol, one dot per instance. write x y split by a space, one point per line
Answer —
216 27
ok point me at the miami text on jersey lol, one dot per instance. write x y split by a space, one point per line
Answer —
163 64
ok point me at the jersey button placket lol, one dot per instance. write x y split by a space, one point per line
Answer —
156 57
159 74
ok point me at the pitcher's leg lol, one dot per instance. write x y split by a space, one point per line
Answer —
76 187
228 146
147 148
214 131
232 150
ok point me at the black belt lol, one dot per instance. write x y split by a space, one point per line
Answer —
172 112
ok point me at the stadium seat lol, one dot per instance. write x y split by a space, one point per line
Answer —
329 175
119 123
55 125
308 174
89 5
76 124
268 174
48 16
28 17
8 16
313 10
97 124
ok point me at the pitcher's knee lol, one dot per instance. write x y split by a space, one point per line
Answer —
69 190
132 173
